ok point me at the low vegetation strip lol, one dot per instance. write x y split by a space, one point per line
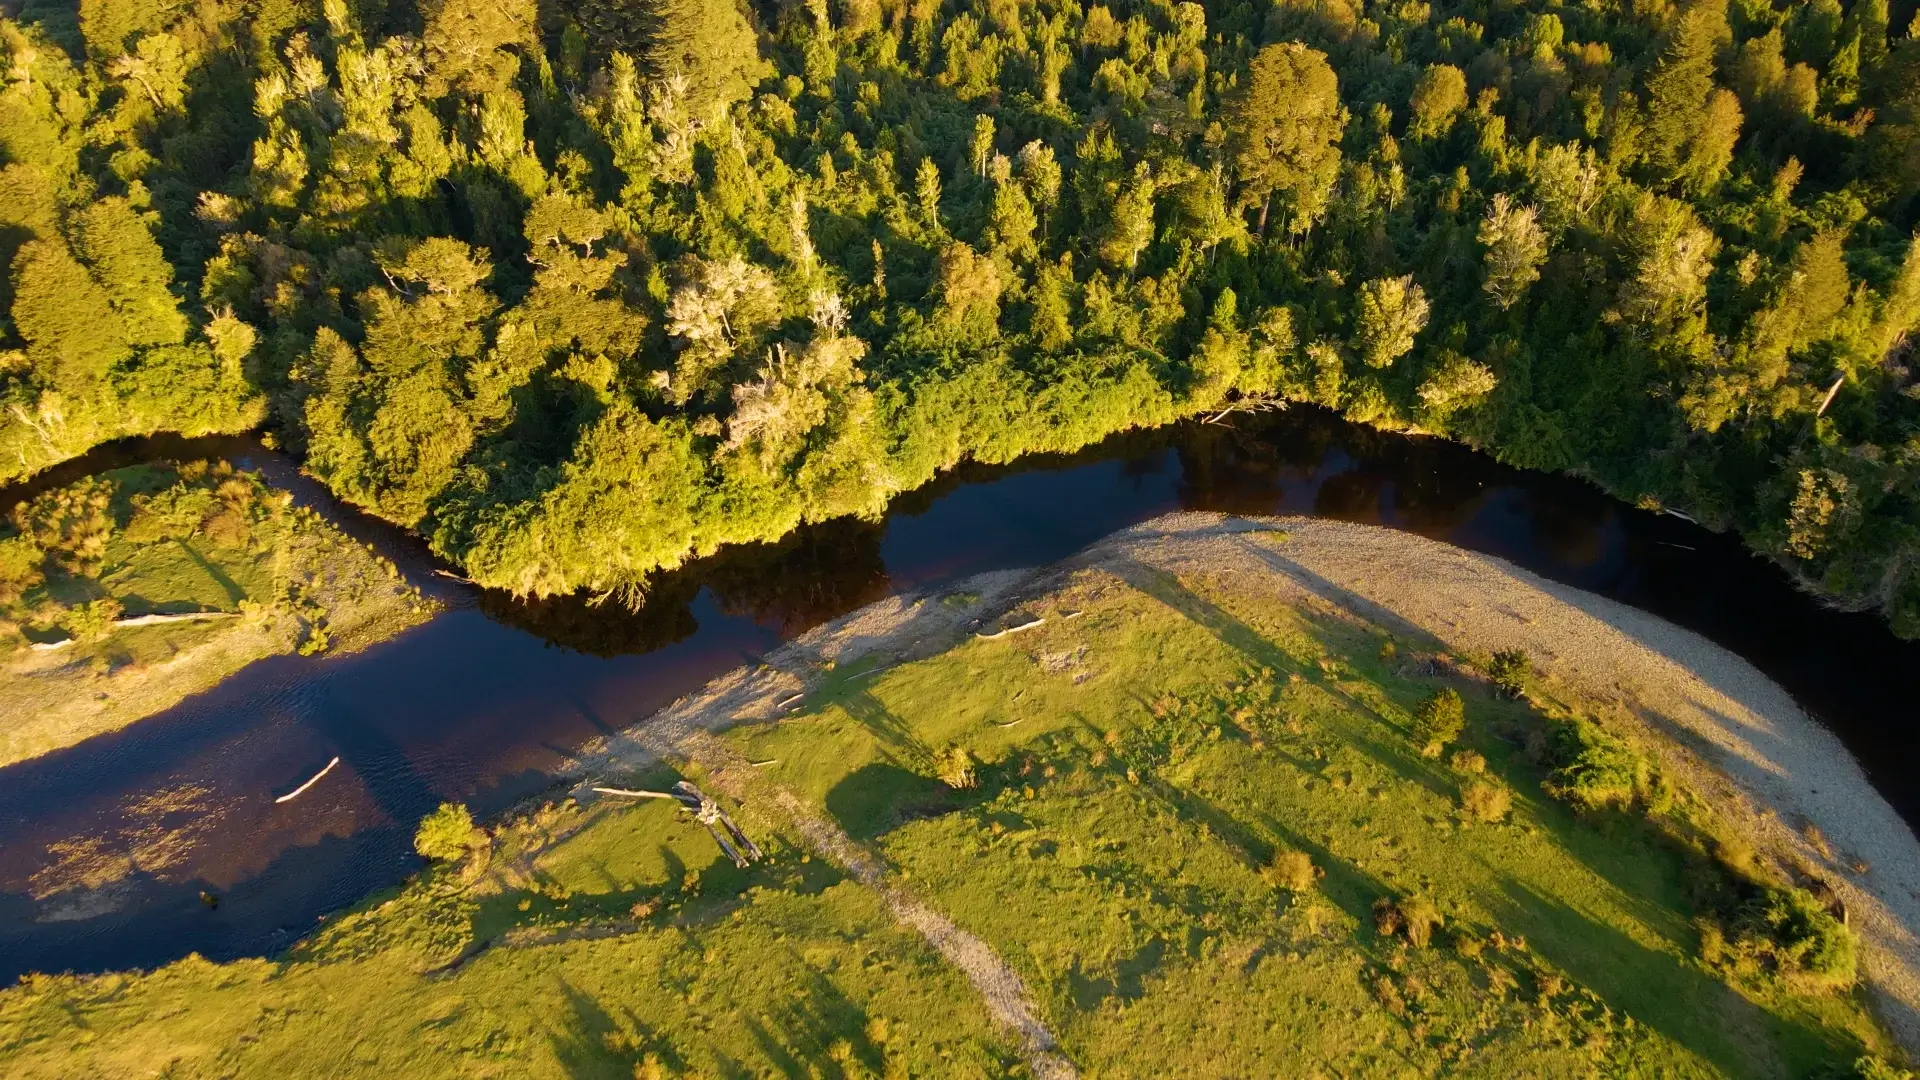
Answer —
125 592
1731 733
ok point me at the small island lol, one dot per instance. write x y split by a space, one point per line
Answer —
1213 794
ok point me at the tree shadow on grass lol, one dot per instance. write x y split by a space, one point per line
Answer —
582 1045
1686 1005
1247 844
1344 884
595 1045
894 734
234 592
1237 635
1127 983
881 796
817 1032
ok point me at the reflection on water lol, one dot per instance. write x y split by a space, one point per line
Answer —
107 848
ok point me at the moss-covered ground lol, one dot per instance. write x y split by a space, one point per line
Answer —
1117 802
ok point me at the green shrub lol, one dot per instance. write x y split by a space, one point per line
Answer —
1415 915
1800 937
1597 770
20 568
1509 671
92 621
1438 721
71 524
1870 1067
1422 917
1290 870
1387 919
448 834
1486 802
955 768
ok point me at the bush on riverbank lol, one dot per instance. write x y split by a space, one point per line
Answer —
1754 922
125 592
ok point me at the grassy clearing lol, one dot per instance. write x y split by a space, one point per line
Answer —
626 949
82 566
1211 831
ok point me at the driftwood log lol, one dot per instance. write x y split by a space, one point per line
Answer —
733 842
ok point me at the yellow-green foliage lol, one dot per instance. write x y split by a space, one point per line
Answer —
85 562
1597 770
144 540
448 834
1438 721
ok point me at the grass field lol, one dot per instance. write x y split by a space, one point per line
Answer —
1118 802
81 566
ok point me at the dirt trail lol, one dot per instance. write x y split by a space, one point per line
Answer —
672 737
1738 738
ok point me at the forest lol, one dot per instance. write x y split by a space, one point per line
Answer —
581 289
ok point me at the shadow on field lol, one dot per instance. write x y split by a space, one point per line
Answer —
1235 634
893 733
799 1037
1656 988
1348 887
1242 638
880 795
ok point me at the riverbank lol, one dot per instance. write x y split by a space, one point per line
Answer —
1777 777
127 592
1183 803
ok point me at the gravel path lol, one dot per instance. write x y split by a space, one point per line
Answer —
1737 737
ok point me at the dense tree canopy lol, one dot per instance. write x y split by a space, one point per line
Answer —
579 290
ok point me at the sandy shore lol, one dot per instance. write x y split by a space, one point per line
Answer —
1739 739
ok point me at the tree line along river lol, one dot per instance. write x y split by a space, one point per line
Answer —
479 704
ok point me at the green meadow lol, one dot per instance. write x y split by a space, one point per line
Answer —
1215 834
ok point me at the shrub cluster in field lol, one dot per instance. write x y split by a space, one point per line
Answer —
1103 797
62 551
1754 921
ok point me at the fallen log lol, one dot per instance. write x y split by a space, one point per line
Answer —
185 616
1010 630
297 792
632 794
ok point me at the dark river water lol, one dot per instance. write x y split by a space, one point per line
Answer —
107 847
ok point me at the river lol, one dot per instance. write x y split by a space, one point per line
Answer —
109 850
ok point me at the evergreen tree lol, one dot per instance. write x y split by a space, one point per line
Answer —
1438 96
708 47
1679 89
1515 247
127 262
469 43
1392 311
1283 131
73 334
